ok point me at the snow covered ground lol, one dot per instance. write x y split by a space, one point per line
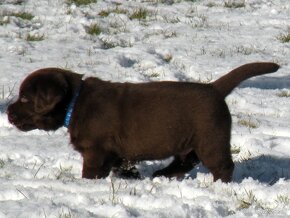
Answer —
139 41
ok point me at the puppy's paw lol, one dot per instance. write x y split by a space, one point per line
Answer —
127 170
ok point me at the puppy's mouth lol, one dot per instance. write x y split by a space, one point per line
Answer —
20 125
24 127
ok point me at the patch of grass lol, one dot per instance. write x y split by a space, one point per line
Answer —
107 44
154 75
23 15
167 58
66 214
64 172
283 199
284 37
4 21
104 13
244 50
2 164
248 200
80 2
117 26
34 38
6 94
172 20
16 2
211 4
94 29
202 21
221 53
235 4
139 14
169 34
248 123
22 193
284 94
244 156
235 149
117 10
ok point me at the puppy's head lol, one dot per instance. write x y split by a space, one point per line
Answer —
43 99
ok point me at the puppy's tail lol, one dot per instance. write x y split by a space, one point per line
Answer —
228 82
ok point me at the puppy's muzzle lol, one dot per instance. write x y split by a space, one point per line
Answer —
12 117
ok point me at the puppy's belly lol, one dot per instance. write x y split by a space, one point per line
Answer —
154 151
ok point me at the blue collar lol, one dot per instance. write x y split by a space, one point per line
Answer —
71 107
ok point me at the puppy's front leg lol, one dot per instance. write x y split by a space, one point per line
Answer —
96 164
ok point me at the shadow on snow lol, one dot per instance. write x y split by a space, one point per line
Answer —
267 83
265 169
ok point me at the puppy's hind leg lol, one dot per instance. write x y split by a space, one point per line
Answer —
179 166
221 168
217 158
213 142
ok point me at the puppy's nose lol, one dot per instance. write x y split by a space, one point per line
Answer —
11 117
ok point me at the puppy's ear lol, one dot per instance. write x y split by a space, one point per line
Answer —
49 94
46 102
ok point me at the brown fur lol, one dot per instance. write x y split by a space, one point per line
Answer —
112 122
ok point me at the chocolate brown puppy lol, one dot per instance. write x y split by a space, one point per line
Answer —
112 122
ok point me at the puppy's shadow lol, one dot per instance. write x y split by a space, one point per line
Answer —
267 83
3 106
4 103
265 169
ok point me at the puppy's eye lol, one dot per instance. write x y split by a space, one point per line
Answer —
23 99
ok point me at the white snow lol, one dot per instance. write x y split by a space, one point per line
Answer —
40 173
